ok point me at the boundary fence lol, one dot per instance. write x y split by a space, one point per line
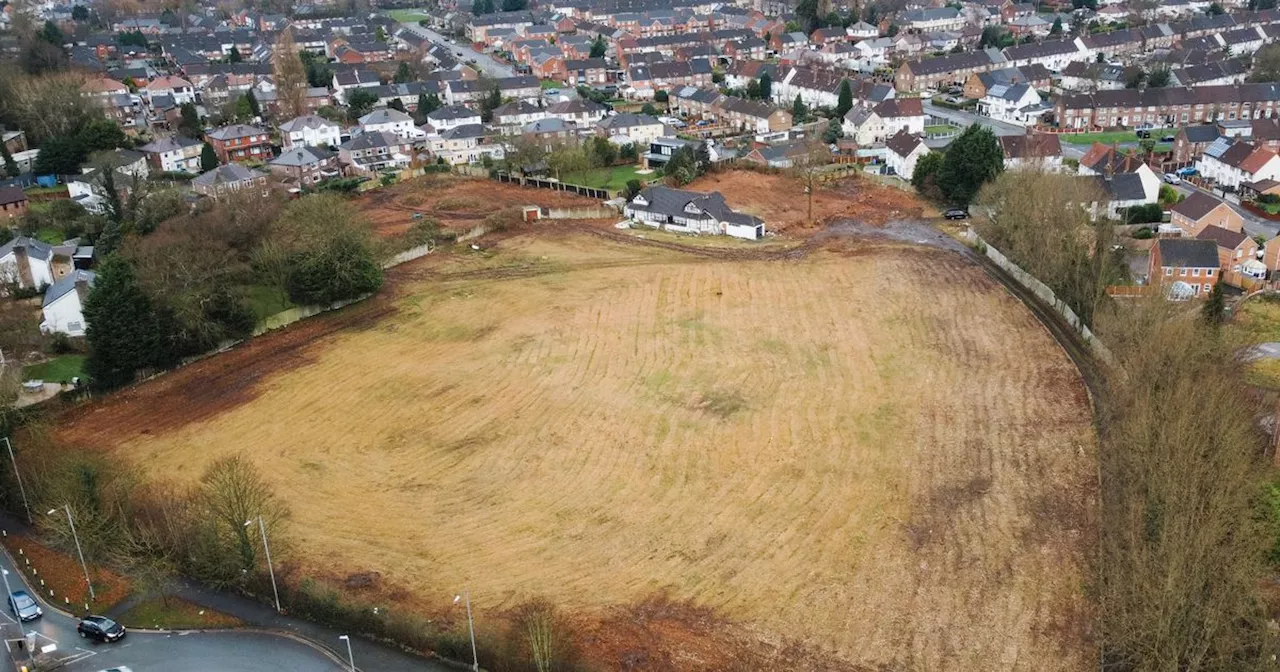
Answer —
1042 291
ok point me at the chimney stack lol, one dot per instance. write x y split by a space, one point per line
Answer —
82 287
24 265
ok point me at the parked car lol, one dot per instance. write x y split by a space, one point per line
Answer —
553 92
1169 138
956 213
100 628
118 669
23 606
1170 178
1143 133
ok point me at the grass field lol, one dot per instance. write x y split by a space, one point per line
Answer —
60 369
1105 137
614 178
1258 321
407 15
839 455
178 614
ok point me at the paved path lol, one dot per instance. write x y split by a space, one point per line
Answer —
299 646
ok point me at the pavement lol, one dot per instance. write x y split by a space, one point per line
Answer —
270 642
483 62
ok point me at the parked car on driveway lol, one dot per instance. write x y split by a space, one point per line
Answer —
100 628
23 606
956 213
1170 178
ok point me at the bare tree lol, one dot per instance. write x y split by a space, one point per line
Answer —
232 493
291 75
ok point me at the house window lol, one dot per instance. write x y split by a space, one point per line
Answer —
1195 272
1182 272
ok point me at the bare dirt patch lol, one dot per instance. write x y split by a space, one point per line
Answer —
836 458
458 203
780 199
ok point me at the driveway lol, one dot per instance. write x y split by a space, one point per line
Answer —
484 62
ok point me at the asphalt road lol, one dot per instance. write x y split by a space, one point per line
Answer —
964 118
228 651
484 62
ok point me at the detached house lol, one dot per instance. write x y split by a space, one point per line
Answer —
387 120
310 131
905 150
174 155
26 262
373 152
1183 267
240 142
304 166
228 179
692 212
901 114
1038 150
177 88
63 304
1200 211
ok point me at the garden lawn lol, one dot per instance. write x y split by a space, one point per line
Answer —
60 369
48 234
615 178
940 128
1105 137
407 15
178 614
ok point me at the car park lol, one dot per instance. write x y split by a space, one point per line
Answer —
24 606
100 628
956 213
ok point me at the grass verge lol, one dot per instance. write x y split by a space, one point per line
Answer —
63 579
177 614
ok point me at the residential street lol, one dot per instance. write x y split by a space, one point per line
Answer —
484 62
964 118
144 652
302 646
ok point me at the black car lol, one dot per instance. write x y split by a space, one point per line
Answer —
100 628
956 213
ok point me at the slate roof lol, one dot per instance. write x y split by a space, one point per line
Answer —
384 115
373 141
301 157
1223 237
65 285
304 122
1202 133
1188 253
903 143
235 131
11 194
35 248
1031 146
1196 205
452 112
228 174
667 201
900 107
1124 187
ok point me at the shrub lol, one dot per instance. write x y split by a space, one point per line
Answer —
1269 199
342 268
1143 233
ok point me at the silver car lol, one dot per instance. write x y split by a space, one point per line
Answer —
24 607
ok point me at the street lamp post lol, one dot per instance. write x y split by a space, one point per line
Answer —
70 521
270 569
471 627
350 658
21 488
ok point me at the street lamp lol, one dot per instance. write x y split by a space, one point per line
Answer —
350 658
21 488
471 626
79 552
263 527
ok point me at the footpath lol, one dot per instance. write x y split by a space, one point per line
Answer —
369 655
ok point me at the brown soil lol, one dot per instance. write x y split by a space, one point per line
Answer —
781 202
458 203
835 456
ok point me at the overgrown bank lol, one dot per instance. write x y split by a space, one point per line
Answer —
1184 523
